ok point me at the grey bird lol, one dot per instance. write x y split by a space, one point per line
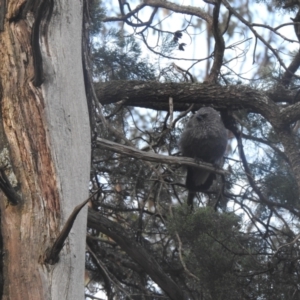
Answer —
205 139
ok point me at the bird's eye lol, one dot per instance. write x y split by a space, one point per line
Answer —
201 116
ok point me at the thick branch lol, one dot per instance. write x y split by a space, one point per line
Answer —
136 252
156 95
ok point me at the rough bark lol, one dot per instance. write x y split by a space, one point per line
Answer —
155 95
47 134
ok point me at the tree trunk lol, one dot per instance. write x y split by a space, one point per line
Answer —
45 147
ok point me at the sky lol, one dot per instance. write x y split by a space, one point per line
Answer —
240 44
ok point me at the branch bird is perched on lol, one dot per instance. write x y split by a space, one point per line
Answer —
205 139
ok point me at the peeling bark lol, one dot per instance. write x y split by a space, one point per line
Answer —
37 140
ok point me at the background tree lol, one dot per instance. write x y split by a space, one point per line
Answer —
241 242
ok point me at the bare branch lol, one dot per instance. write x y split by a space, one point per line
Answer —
188 10
219 45
249 25
157 158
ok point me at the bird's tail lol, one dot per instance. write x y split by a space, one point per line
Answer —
190 199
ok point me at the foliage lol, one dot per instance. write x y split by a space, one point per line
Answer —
241 241
210 248
118 58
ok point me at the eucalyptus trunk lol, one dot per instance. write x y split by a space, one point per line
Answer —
44 147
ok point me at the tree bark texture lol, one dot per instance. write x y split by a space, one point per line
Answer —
47 135
155 95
